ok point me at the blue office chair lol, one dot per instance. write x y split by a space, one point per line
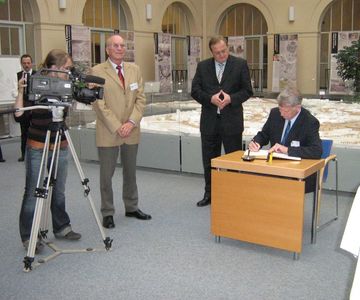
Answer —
326 145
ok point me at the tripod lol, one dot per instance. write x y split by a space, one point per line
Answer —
44 187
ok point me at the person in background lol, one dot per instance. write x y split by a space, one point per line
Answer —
57 60
291 129
25 73
221 84
1 156
118 128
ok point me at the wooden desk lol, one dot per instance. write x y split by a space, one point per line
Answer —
261 202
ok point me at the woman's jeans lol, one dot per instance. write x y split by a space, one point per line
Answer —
60 218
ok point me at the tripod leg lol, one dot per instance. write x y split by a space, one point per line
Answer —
29 258
107 241
44 227
40 194
49 182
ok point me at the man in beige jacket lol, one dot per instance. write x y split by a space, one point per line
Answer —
118 128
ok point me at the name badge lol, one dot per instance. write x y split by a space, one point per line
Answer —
295 144
134 86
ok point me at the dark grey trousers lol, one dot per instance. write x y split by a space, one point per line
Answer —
108 157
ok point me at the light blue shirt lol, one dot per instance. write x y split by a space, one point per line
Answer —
292 121
217 67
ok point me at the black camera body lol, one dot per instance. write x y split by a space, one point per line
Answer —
42 87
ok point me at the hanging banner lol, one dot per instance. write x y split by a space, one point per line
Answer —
78 41
163 62
284 62
236 46
129 38
194 57
339 40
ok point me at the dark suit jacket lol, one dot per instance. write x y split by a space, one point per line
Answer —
235 82
24 119
304 132
19 76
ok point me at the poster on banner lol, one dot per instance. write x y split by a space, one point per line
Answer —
340 40
129 38
237 46
78 39
163 62
285 62
79 46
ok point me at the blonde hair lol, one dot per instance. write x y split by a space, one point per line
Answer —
56 57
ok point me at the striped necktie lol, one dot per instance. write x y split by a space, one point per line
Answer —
121 77
286 133
220 71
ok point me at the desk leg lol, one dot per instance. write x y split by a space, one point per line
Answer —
315 212
217 239
296 255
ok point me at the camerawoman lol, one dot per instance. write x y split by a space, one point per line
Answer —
55 86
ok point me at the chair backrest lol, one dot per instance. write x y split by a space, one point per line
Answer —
326 148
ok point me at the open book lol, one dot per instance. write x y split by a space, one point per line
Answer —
263 154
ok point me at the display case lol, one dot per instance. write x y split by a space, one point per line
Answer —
161 144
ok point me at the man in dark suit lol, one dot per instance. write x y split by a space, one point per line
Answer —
27 71
291 129
221 84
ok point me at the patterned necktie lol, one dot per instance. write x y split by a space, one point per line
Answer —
220 71
286 133
26 77
121 77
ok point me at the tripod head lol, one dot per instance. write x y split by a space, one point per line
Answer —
57 109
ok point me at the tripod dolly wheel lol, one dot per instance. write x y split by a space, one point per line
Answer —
108 243
27 263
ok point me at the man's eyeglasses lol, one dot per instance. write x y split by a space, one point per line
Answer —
117 46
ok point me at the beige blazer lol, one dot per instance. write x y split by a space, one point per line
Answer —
118 104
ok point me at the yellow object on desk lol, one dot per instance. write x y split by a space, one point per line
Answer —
270 157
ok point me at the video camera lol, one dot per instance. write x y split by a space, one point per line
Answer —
41 86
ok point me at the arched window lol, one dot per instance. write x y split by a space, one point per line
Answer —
16 28
242 20
103 17
246 20
340 15
175 21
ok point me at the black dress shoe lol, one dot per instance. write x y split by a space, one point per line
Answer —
21 158
108 222
2 160
138 214
204 202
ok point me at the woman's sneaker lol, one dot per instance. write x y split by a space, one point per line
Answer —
71 236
